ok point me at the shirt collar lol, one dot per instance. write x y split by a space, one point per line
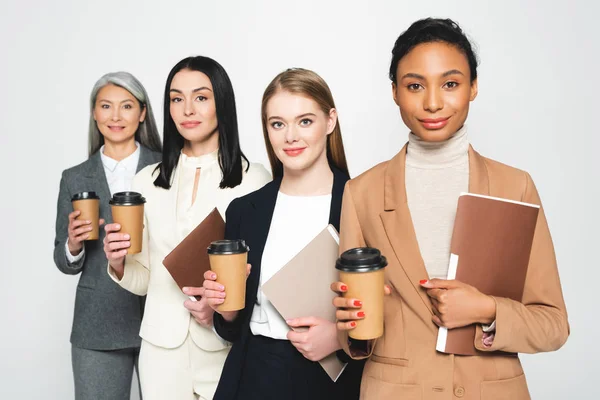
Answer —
129 163
201 161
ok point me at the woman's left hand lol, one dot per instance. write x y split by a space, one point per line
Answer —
319 341
456 304
200 310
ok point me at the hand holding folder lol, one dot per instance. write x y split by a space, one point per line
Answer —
311 271
490 250
188 261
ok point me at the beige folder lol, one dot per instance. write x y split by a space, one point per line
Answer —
310 272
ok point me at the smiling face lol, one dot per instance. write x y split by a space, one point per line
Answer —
298 130
117 113
192 106
433 90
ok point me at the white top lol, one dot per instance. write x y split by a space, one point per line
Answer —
296 221
436 174
168 218
119 175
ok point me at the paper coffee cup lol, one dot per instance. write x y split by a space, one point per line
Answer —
228 259
362 270
88 203
128 211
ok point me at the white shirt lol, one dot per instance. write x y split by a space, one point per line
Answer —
296 221
119 175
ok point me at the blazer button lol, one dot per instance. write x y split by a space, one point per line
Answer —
459 391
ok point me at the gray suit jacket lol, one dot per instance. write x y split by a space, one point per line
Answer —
106 316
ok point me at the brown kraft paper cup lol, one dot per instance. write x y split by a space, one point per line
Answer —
128 211
363 271
228 259
88 203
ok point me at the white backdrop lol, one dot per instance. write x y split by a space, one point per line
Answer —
536 110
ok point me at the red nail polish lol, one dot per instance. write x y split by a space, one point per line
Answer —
361 314
343 288
353 324
423 281
357 303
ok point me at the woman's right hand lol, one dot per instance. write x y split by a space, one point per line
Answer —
215 293
115 248
348 310
78 231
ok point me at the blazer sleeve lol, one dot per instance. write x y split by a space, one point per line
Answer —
231 331
63 209
351 236
136 275
540 322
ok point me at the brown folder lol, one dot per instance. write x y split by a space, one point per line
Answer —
188 262
490 250
311 271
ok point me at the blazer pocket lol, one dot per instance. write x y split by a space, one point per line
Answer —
512 388
375 389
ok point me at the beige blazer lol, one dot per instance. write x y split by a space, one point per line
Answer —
166 322
403 364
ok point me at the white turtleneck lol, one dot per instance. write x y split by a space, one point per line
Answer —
436 174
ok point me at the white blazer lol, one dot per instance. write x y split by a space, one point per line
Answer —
166 321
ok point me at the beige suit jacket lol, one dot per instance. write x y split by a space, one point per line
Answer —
166 321
403 364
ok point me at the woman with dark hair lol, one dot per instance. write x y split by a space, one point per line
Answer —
202 168
304 143
406 208
122 140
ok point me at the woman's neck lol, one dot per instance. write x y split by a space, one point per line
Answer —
314 181
119 151
202 147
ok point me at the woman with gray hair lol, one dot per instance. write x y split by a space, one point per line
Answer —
123 139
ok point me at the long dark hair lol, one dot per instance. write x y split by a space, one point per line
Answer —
230 153
306 83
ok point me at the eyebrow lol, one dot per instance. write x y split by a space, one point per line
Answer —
108 101
298 117
444 75
193 91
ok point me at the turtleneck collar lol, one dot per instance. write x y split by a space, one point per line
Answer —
201 161
433 155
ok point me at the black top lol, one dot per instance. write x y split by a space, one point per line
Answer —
249 217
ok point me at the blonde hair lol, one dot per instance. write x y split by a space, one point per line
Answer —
310 84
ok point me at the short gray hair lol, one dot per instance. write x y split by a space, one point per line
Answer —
147 133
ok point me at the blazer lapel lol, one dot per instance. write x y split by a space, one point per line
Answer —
337 192
146 158
398 223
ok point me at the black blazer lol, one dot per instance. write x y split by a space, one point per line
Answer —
249 218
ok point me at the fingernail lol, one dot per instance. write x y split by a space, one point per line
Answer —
213 276
357 303
185 290
423 281
126 236
117 226
361 314
343 288
353 324
221 287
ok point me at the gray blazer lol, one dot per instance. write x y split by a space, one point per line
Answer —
106 316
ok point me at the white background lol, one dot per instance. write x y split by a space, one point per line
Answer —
537 110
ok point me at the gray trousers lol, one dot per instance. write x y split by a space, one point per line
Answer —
103 375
